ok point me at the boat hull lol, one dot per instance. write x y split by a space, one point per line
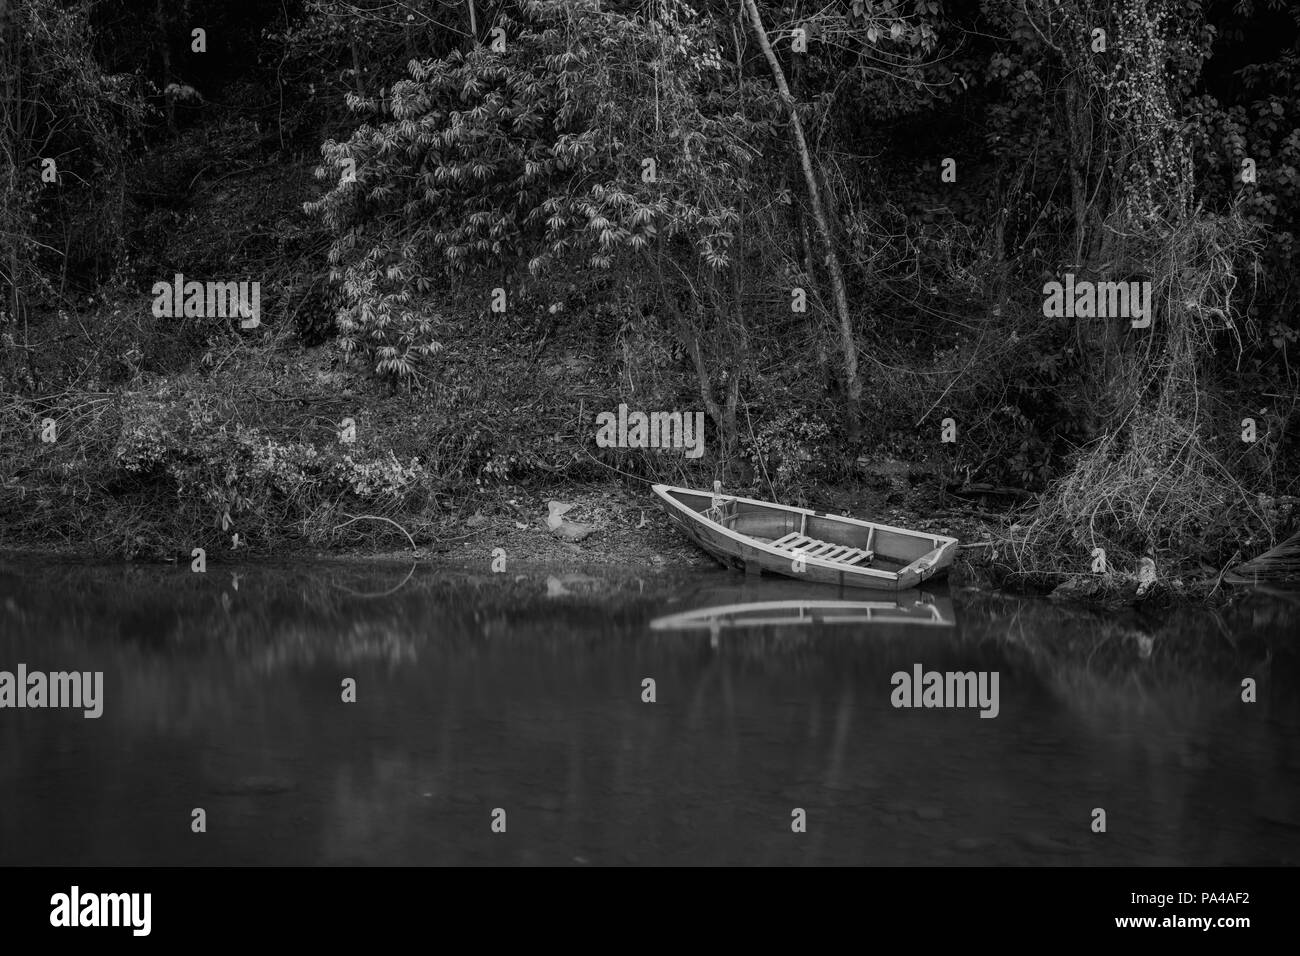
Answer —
745 534
784 604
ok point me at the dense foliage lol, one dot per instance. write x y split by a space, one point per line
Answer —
626 180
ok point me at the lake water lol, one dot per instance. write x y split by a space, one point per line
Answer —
524 693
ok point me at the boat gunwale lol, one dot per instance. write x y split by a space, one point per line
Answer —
944 550
732 615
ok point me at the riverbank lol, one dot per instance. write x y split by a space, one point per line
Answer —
627 530
258 448
265 450
507 532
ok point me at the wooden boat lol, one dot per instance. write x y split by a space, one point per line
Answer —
807 545
787 603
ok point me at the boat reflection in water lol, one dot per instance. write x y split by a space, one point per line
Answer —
769 603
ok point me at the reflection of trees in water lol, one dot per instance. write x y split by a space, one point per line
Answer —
1160 696
479 693
272 617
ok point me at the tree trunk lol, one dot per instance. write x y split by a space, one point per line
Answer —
848 342
356 69
165 52
689 334
12 225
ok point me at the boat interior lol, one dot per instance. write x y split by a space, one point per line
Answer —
827 537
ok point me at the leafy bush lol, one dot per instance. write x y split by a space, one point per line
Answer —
782 450
539 155
229 477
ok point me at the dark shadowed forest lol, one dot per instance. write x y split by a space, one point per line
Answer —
1024 269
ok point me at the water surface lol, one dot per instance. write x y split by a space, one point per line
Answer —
524 692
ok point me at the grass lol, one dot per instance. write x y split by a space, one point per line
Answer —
1161 483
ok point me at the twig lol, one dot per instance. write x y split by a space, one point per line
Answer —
379 518
365 594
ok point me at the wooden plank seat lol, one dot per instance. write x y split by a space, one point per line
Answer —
812 548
